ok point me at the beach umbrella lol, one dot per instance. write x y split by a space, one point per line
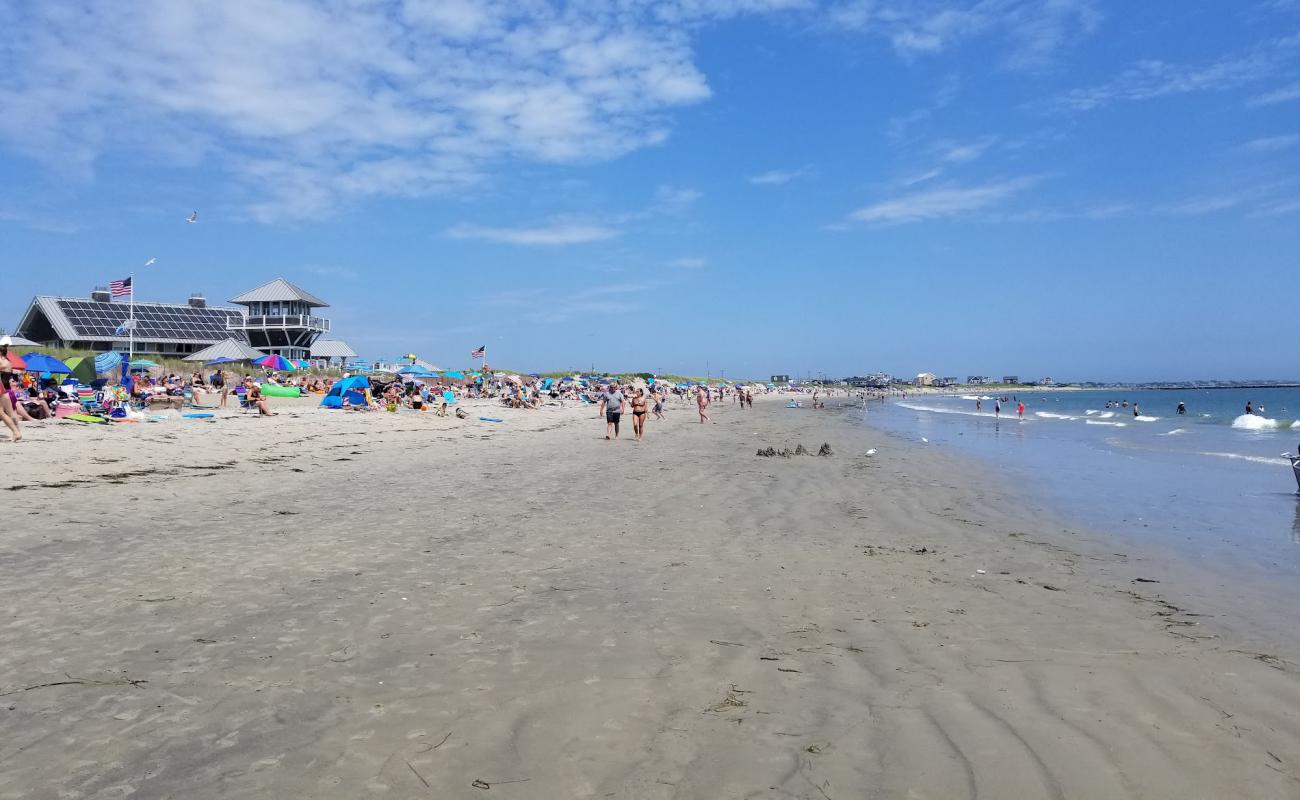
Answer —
39 362
275 362
454 375
303 363
16 362
107 362
143 363
223 360
17 341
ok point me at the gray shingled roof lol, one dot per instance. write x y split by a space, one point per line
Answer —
332 348
278 290
228 348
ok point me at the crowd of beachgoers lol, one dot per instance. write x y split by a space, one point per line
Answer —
30 396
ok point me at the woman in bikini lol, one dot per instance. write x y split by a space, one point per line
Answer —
638 413
8 412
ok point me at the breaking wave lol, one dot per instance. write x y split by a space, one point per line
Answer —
1254 422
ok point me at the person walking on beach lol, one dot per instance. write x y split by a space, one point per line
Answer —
702 402
659 406
218 383
612 402
977 404
639 411
1020 409
8 412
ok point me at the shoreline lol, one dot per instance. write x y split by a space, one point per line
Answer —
316 601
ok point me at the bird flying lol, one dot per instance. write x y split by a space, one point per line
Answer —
192 218
150 261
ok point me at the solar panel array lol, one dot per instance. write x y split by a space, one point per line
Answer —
96 320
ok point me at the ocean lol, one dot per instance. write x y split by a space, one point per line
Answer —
1212 483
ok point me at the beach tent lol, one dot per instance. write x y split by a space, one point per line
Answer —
83 369
352 389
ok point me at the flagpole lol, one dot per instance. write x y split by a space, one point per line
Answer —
130 352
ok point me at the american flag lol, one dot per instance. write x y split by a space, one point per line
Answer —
120 288
479 352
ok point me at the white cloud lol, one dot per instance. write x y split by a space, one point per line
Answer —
1151 78
689 262
1272 144
944 202
1284 95
332 271
962 152
777 177
1034 31
547 235
1197 206
307 105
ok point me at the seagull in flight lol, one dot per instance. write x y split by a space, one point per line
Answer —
150 261
192 218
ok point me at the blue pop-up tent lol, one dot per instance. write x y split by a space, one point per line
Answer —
352 389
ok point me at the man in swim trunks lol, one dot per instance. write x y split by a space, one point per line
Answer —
612 402
702 401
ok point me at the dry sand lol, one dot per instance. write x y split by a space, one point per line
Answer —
329 605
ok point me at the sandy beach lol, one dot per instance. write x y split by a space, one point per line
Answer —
335 605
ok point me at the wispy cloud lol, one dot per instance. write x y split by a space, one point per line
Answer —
1272 144
963 152
668 201
1286 94
1033 32
332 271
778 177
689 262
1198 206
943 202
1151 79
553 306
547 235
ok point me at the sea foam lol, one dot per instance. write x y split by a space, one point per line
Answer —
1254 422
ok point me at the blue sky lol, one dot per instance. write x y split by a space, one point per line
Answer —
1075 188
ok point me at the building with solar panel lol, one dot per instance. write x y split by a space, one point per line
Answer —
275 318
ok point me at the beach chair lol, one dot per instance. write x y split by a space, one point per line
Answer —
92 402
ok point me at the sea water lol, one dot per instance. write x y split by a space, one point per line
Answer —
1211 483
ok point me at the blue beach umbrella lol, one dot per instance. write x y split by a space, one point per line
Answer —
39 362
454 375
223 360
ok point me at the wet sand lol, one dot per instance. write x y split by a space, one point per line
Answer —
330 605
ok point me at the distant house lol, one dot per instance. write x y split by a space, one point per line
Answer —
925 379
780 379
875 380
978 380
1011 379
1047 382
946 382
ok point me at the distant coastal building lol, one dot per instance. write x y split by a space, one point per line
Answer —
874 380
1047 382
946 382
780 379
978 380
276 318
280 320
332 352
925 379
1011 379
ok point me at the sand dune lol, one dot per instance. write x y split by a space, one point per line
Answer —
324 605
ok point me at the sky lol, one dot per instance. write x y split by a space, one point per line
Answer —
1080 189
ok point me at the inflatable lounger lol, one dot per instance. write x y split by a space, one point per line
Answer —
271 390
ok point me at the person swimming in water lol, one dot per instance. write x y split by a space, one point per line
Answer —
1136 413
1249 410
1182 409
